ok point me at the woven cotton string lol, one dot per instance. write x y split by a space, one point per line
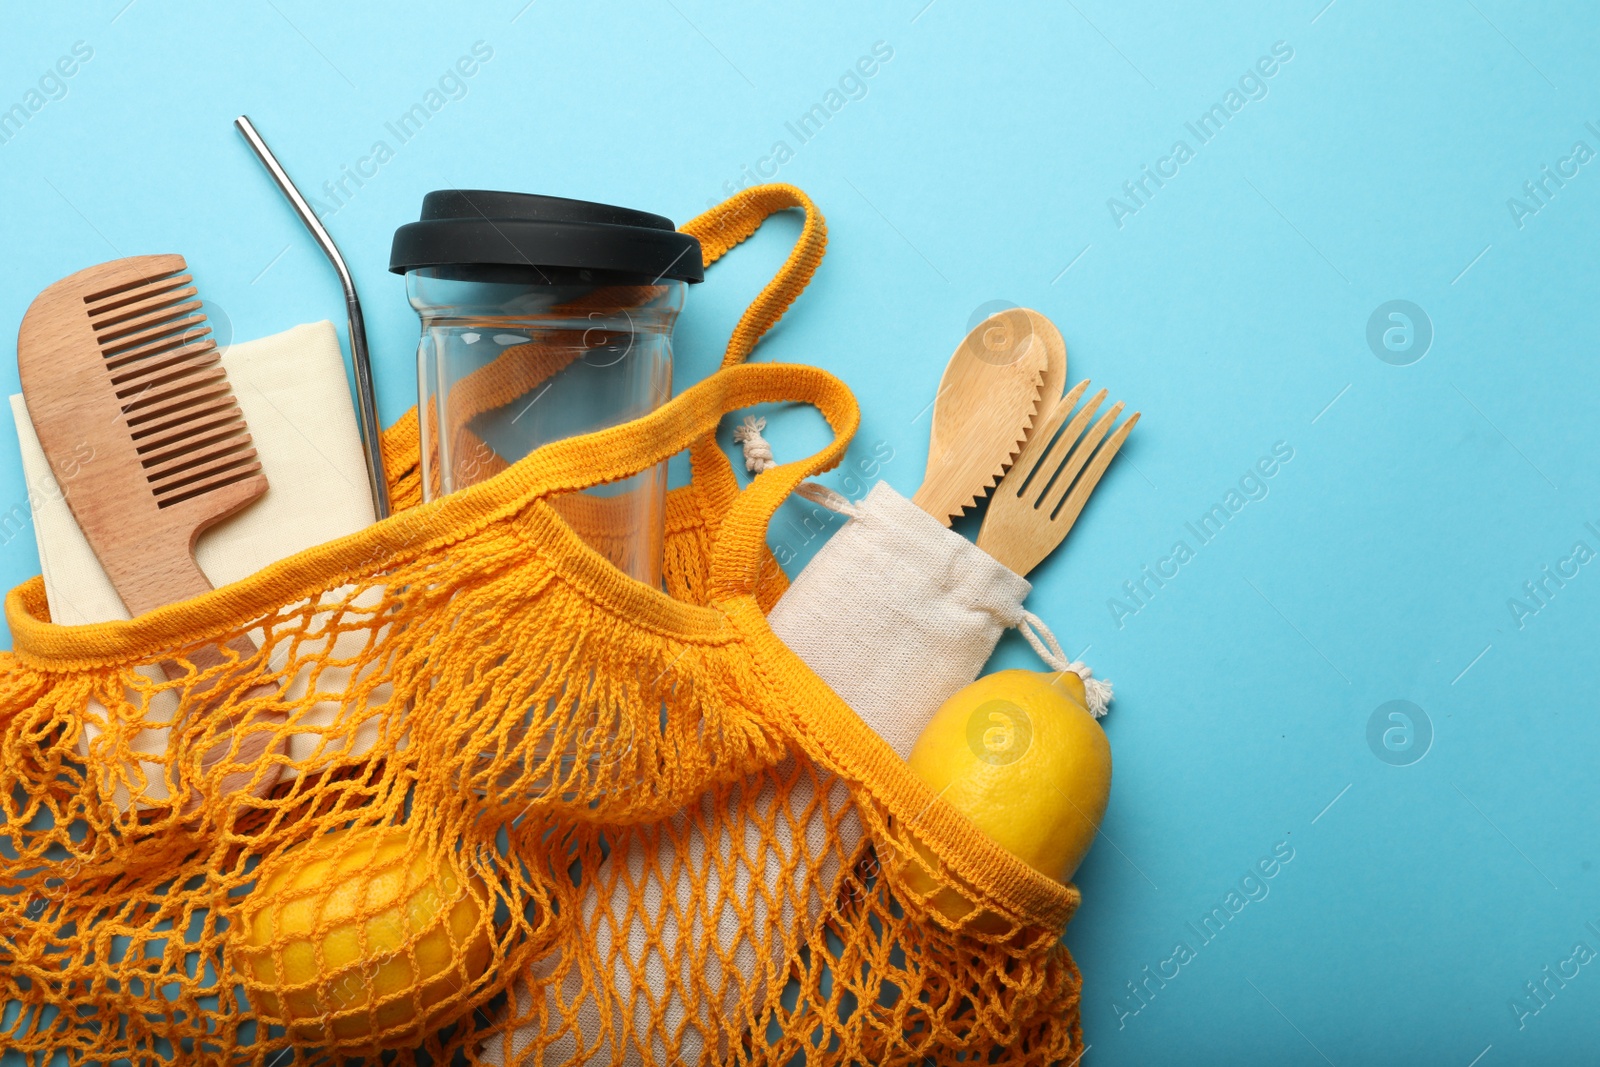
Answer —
545 716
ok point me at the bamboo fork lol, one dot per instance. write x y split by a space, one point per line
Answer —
1045 490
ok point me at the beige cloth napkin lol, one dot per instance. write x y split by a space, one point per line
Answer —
292 391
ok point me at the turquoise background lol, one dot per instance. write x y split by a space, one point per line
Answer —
1232 308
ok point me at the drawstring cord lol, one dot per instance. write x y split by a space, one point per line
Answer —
758 458
1096 691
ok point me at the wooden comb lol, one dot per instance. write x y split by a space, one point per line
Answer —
120 358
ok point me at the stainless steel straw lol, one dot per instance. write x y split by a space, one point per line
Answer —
366 403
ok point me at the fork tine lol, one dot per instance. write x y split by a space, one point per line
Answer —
1073 505
1062 481
1039 487
1027 460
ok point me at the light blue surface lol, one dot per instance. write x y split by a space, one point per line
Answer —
1231 308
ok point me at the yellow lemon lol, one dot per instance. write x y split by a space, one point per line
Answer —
1020 755
357 932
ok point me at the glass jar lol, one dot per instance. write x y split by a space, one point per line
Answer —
544 318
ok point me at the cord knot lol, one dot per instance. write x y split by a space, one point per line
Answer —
757 450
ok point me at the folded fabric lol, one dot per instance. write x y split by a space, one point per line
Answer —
292 391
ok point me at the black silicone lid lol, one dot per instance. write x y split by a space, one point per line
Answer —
467 228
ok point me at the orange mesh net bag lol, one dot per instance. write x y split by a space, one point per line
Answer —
588 821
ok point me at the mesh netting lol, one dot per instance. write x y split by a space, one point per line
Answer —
454 789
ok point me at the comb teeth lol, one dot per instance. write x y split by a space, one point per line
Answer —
166 372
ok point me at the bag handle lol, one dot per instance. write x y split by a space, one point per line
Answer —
737 520
731 222
719 230
577 463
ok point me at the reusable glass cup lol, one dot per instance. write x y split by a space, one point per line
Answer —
543 318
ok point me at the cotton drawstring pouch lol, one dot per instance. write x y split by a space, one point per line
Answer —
896 612
558 715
